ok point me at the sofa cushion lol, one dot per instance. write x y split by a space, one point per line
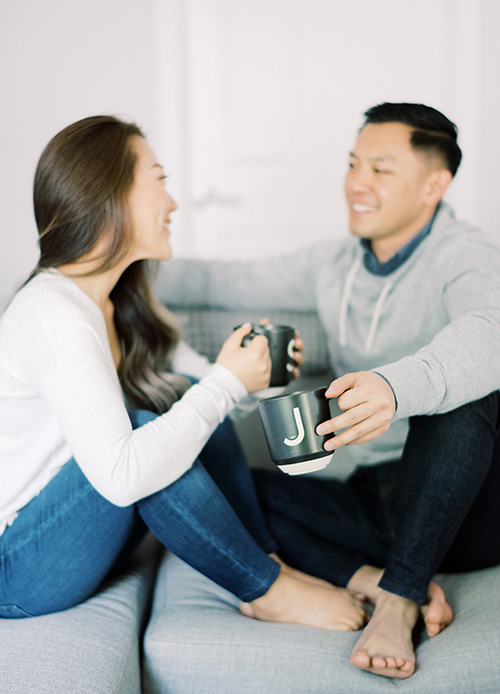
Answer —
92 648
197 641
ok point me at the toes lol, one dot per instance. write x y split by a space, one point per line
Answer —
246 609
437 613
407 666
358 596
433 629
388 665
379 662
361 660
436 617
342 626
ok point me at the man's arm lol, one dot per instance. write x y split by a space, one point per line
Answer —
284 283
459 365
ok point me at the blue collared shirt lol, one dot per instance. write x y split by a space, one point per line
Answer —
370 259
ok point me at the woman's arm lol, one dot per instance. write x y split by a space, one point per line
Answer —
59 344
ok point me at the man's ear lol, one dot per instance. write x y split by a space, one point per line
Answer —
438 182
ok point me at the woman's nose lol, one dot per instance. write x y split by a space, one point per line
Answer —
172 204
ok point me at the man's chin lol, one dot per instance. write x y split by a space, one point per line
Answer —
358 231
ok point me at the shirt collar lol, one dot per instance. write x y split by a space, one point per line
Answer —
370 259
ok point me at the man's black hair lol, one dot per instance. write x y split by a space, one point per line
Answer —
433 133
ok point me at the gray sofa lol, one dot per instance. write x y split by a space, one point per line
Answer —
192 639
197 642
94 648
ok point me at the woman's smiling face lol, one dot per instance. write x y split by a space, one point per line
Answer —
149 206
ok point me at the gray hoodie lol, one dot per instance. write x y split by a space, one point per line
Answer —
431 327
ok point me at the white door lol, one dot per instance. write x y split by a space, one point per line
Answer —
250 190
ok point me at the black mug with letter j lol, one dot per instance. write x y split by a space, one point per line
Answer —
290 423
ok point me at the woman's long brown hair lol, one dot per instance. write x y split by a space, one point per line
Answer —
81 184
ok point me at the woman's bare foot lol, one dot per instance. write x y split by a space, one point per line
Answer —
386 646
295 601
308 577
297 573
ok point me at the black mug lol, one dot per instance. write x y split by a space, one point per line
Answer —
281 339
290 423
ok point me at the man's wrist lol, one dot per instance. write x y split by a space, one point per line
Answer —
390 386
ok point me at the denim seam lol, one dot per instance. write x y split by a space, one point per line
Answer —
14 546
226 553
412 593
265 584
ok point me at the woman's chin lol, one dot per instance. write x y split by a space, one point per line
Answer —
164 253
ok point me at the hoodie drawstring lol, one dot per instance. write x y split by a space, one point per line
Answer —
344 303
376 315
344 307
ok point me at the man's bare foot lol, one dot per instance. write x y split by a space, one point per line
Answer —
295 601
385 646
436 612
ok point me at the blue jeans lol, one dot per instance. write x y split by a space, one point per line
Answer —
69 538
435 509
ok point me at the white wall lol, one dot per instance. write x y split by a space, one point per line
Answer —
62 60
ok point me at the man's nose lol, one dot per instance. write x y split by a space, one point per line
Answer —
360 179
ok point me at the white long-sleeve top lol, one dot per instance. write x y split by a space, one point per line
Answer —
60 397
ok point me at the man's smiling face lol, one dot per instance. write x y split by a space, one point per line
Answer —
388 186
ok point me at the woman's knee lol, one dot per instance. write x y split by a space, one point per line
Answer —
139 418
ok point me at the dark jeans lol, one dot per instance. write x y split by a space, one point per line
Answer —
435 509
69 538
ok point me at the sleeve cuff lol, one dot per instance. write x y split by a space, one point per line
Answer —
228 380
390 386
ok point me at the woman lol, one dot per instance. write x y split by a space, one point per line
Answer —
97 441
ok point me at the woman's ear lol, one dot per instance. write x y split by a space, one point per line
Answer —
438 182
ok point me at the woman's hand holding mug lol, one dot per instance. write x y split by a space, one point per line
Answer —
251 364
298 346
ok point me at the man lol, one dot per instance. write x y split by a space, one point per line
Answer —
411 307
